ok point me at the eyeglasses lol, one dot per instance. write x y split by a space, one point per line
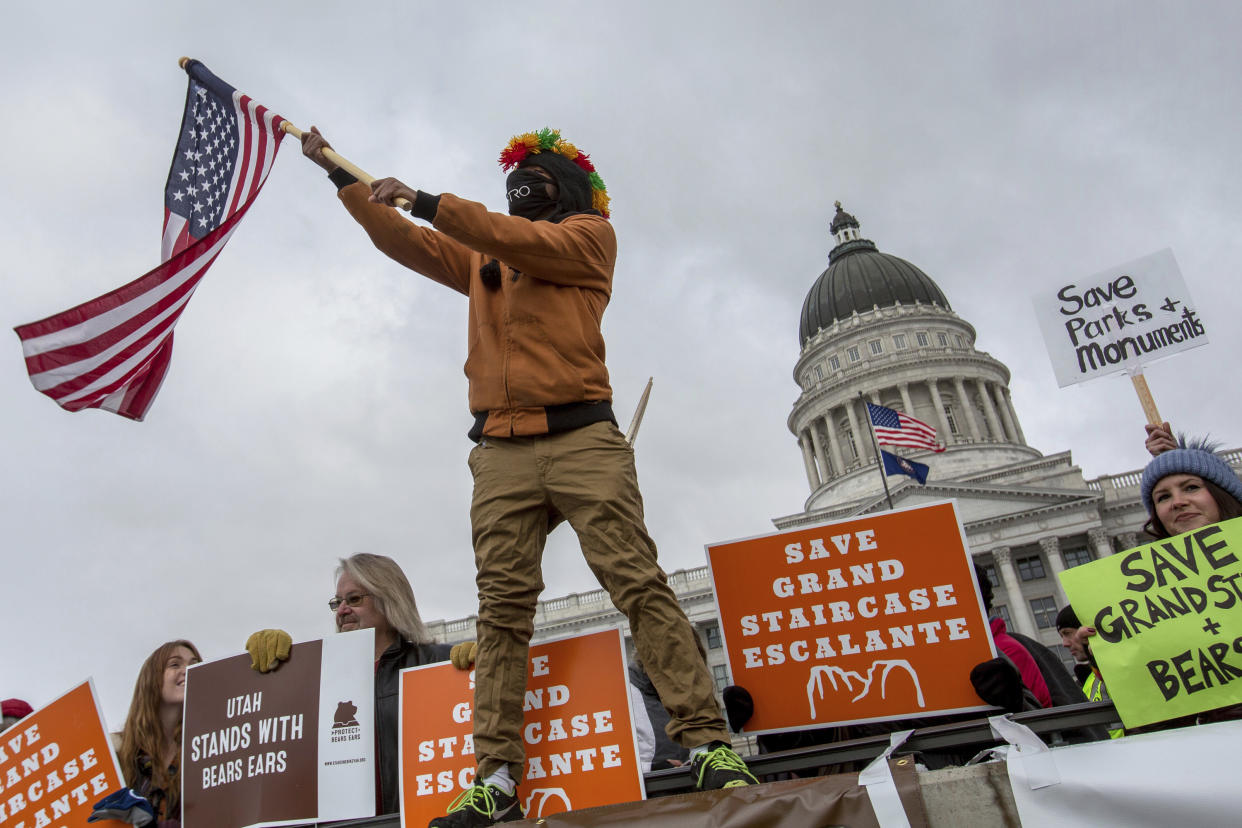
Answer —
354 600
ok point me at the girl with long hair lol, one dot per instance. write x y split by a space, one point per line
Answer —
150 750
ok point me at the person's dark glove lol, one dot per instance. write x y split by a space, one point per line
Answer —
739 706
997 682
124 806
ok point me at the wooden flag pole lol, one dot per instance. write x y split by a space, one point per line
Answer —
332 155
347 165
1145 398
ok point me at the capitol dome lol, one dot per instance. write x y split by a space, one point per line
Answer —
876 329
859 277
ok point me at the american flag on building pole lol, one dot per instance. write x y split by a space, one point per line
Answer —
113 351
892 428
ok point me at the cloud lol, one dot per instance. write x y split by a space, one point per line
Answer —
316 405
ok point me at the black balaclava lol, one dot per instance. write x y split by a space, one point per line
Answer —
573 195
527 192
572 184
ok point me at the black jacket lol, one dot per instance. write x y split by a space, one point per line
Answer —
387 712
1062 687
664 747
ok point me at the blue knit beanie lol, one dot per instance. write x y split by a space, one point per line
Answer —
1194 457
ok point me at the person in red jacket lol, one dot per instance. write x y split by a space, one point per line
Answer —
547 444
1026 675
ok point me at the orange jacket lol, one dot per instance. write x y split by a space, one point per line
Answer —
535 341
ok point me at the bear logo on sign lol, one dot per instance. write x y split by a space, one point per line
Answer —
346 713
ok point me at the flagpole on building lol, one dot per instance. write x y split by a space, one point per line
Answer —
879 458
331 154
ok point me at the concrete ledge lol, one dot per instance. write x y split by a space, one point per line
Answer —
978 796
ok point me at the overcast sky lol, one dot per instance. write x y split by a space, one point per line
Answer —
316 405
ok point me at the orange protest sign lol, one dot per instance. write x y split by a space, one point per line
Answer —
866 619
56 763
580 748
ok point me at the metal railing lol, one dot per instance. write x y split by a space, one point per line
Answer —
972 734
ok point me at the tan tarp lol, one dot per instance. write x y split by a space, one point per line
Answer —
799 803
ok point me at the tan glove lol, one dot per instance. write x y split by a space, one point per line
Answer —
267 649
462 655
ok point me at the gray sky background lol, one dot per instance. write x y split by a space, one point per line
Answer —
316 406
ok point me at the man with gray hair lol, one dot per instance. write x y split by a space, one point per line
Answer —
371 593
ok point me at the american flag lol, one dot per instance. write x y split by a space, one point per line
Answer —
113 351
892 428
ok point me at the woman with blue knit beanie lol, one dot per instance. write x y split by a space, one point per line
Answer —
1189 487
1186 487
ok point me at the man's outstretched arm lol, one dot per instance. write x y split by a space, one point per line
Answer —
423 250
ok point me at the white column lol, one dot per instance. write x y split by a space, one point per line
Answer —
858 437
818 446
991 425
994 423
1129 540
904 388
1052 549
834 445
1013 414
808 460
1011 433
1099 539
968 410
868 448
946 434
1019 609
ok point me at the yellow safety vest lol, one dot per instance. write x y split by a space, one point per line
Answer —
1093 687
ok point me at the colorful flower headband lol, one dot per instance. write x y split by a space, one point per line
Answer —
549 140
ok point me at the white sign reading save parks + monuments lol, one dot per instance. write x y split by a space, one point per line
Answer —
1122 318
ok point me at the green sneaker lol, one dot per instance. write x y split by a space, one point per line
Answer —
719 767
479 805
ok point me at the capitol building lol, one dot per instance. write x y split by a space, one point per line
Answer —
875 328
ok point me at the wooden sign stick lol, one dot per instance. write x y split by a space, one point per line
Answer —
632 433
1145 398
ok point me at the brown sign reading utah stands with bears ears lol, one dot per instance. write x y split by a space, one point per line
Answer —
866 619
292 745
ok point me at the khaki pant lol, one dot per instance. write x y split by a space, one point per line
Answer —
522 487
